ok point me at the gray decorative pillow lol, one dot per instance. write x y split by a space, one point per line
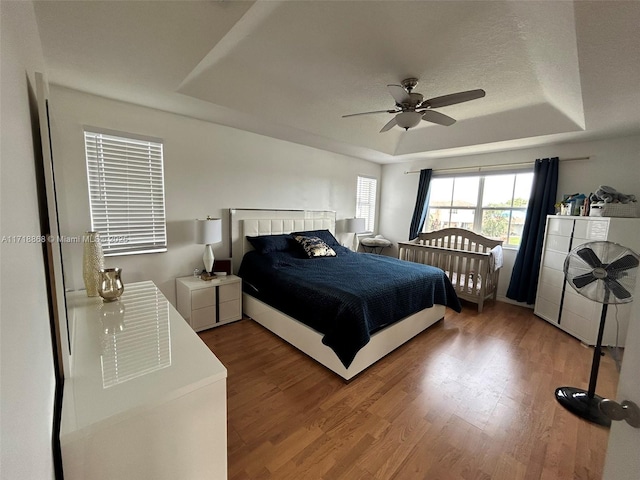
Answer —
314 246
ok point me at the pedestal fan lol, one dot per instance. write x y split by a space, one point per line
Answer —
604 272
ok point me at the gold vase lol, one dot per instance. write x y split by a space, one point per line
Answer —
110 287
92 262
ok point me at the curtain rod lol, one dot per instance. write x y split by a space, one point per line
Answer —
506 165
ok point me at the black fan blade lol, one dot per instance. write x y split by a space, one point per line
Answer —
369 113
453 98
583 280
590 257
437 117
399 94
622 264
617 289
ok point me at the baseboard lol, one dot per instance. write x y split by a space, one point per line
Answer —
501 298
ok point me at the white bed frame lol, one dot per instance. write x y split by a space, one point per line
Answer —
271 222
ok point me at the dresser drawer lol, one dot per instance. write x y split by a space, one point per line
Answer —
550 292
576 303
203 297
552 277
557 243
560 226
547 310
554 260
591 230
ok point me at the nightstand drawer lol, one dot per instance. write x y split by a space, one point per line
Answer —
203 297
230 291
203 317
230 310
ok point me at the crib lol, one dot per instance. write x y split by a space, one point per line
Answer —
472 262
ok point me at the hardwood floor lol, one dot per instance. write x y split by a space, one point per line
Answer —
472 397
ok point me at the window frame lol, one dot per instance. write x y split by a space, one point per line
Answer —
479 209
370 203
112 158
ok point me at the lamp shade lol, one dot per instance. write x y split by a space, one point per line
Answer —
355 225
209 231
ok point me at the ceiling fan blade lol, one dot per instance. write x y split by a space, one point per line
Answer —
369 113
622 264
589 257
399 94
617 289
389 125
453 98
582 281
437 117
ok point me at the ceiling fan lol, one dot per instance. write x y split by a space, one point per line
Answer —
411 107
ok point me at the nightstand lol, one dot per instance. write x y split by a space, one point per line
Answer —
207 304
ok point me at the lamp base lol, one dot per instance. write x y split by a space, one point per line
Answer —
577 401
208 258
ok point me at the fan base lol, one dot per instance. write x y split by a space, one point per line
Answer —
577 401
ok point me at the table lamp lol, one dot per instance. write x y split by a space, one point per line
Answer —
208 232
355 226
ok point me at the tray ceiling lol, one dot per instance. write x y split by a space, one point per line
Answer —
552 71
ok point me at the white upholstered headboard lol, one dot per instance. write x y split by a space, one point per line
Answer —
248 222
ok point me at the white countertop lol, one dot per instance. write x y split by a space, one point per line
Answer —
128 356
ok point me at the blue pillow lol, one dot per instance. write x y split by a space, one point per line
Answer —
325 235
271 243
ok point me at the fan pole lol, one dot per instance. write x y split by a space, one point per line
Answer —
597 351
586 404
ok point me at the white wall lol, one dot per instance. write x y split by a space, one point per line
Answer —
613 162
27 380
208 169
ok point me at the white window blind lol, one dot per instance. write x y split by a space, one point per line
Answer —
126 193
366 201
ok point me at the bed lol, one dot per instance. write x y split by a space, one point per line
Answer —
278 286
472 262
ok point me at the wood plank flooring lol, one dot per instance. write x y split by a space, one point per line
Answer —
470 398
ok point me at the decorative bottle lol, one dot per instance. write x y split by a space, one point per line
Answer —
92 262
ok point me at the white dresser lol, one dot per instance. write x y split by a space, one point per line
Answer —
556 301
146 398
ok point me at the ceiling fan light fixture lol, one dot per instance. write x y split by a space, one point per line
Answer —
408 120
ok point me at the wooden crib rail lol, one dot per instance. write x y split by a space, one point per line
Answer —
464 256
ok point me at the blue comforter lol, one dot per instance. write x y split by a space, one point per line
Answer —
348 297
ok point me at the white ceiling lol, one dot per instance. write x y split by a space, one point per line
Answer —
553 71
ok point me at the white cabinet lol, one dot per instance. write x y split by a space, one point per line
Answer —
146 398
210 303
556 301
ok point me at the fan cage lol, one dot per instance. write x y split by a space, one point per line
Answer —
608 278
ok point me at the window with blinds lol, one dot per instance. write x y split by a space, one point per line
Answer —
126 193
366 201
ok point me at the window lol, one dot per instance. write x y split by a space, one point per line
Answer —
126 193
366 201
492 205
